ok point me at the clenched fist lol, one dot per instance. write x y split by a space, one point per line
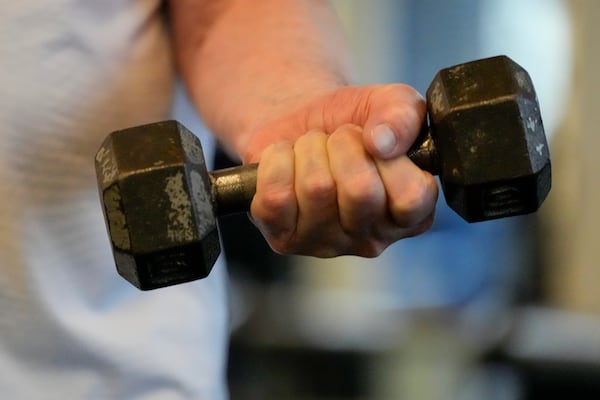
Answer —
334 177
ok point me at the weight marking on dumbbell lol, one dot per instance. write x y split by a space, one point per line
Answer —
168 267
500 200
107 165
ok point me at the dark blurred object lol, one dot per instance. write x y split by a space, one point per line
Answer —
555 354
297 373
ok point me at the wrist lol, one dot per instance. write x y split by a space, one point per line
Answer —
282 118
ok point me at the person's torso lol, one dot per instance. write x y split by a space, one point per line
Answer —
70 73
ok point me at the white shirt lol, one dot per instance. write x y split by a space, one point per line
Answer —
70 327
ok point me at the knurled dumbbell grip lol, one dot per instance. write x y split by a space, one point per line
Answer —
233 188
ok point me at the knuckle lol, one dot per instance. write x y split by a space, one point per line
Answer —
271 211
410 121
364 190
277 200
408 209
340 136
402 93
405 111
412 118
349 128
319 187
279 236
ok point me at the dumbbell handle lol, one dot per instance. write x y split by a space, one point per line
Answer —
423 153
233 188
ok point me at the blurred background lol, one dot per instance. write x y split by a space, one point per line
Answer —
496 310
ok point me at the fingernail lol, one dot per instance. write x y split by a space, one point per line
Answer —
383 139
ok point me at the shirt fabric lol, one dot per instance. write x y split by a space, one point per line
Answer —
70 327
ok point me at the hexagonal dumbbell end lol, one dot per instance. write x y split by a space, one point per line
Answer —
493 157
160 203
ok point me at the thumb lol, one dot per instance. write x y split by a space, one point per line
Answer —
396 115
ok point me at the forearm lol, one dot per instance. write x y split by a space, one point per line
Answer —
245 62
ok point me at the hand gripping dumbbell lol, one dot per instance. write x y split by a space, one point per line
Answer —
485 141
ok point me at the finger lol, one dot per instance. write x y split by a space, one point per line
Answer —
274 209
360 191
396 116
411 192
315 186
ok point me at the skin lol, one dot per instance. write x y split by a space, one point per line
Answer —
271 80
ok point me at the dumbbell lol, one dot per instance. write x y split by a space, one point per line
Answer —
485 140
